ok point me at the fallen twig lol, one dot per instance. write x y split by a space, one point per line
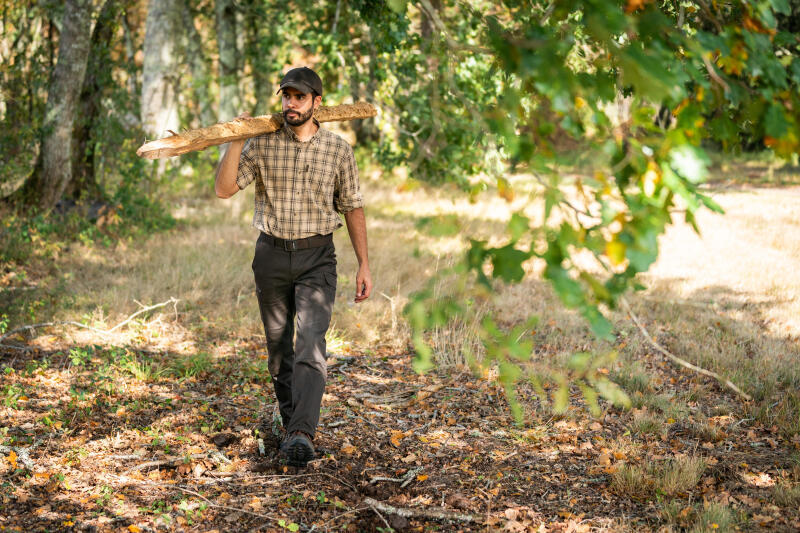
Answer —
351 511
405 480
172 300
677 360
22 455
33 327
18 348
435 514
130 481
389 528
174 461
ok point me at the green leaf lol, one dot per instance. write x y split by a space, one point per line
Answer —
711 204
518 226
775 124
398 6
507 262
601 326
579 361
600 291
569 290
590 395
647 74
423 361
561 398
781 6
552 196
611 392
440 225
690 162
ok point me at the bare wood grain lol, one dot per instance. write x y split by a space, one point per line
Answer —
243 128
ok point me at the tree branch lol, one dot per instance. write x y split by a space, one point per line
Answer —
33 327
677 360
435 514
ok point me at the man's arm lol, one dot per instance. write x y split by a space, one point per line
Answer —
225 183
357 228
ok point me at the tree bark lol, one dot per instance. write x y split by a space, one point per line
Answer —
243 128
367 131
229 103
198 63
47 185
84 184
259 56
160 69
130 54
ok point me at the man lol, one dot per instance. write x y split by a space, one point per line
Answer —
304 176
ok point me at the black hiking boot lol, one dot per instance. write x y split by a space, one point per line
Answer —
298 449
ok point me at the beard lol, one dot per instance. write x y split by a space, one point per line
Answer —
299 119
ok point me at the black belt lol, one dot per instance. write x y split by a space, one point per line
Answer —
315 241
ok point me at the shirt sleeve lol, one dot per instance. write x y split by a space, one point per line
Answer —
248 166
347 193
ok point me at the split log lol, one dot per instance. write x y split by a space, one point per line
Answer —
243 128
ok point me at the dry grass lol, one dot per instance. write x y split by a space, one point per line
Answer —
786 494
728 300
714 517
670 478
646 425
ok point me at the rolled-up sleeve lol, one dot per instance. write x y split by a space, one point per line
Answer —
248 166
347 193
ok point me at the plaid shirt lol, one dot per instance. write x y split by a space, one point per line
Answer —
300 186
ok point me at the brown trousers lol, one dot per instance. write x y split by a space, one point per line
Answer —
296 290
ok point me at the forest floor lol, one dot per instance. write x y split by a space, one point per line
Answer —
442 446
155 426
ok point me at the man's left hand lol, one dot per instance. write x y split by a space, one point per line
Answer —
363 283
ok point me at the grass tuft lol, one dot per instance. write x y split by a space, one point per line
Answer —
714 518
646 425
786 494
675 476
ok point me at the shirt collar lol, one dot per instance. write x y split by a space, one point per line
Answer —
289 132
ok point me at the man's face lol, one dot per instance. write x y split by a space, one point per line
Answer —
297 106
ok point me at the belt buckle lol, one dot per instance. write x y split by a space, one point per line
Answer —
290 245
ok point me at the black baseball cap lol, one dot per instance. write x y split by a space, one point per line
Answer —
303 79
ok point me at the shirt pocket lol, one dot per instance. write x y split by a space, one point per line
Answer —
321 180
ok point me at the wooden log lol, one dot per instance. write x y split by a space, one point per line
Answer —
243 128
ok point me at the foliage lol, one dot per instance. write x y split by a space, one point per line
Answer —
551 80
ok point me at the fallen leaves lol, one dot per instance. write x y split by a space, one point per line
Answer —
12 459
396 437
475 460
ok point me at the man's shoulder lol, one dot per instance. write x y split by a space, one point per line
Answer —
335 139
261 140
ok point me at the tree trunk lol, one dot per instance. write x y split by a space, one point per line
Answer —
198 63
48 184
229 104
130 55
259 56
368 130
160 68
84 184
